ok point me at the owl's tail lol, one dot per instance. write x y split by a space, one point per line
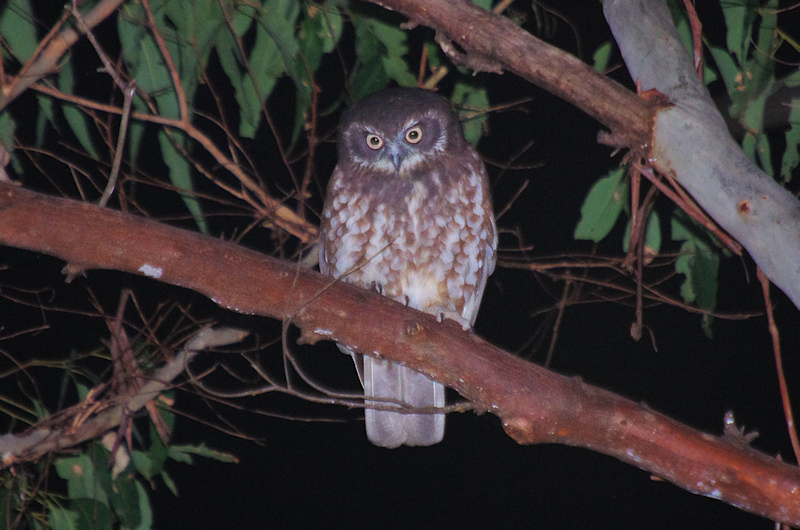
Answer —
396 383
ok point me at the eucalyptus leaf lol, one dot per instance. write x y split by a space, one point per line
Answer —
18 29
381 47
181 177
472 103
602 206
124 498
180 452
145 509
75 118
791 156
62 518
652 235
7 128
92 514
698 261
82 477
739 18
602 57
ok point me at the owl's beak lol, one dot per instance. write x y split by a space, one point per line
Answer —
397 157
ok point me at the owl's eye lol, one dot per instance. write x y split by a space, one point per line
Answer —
374 142
414 135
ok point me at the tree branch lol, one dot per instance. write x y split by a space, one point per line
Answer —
691 142
496 40
688 139
534 405
46 62
41 440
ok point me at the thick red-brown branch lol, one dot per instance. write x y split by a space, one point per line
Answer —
490 39
535 405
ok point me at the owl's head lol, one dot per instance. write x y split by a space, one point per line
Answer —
396 130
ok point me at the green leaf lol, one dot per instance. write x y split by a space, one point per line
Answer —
180 456
652 235
192 26
602 206
765 155
169 483
265 66
380 48
182 453
124 498
92 514
75 118
39 410
144 60
472 103
18 29
181 177
767 41
730 72
62 518
151 463
45 115
278 18
145 510
7 128
698 261
82 477
791 156
81 389
143 464
602 57
792 80
232 62
739 18
319 32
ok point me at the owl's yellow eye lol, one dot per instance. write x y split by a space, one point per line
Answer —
374 141
414 135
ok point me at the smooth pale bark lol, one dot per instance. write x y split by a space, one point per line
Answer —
691 142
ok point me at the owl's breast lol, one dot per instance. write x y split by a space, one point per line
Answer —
427 242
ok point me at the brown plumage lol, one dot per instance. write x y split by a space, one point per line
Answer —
408 212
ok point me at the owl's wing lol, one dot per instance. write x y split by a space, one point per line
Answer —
488 256
395 383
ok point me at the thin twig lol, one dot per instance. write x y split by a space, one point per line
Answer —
123 131
37 441
776 350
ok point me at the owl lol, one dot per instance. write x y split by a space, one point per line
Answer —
408 213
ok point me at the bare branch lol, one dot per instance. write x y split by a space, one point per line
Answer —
39 441
46 62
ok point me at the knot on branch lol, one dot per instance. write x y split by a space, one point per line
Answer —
414 329
474 61
520 430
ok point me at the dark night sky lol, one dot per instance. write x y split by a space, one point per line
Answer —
326 474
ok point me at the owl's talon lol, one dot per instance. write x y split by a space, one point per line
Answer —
377 287
407 300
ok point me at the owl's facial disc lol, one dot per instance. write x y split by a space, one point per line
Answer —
399 152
